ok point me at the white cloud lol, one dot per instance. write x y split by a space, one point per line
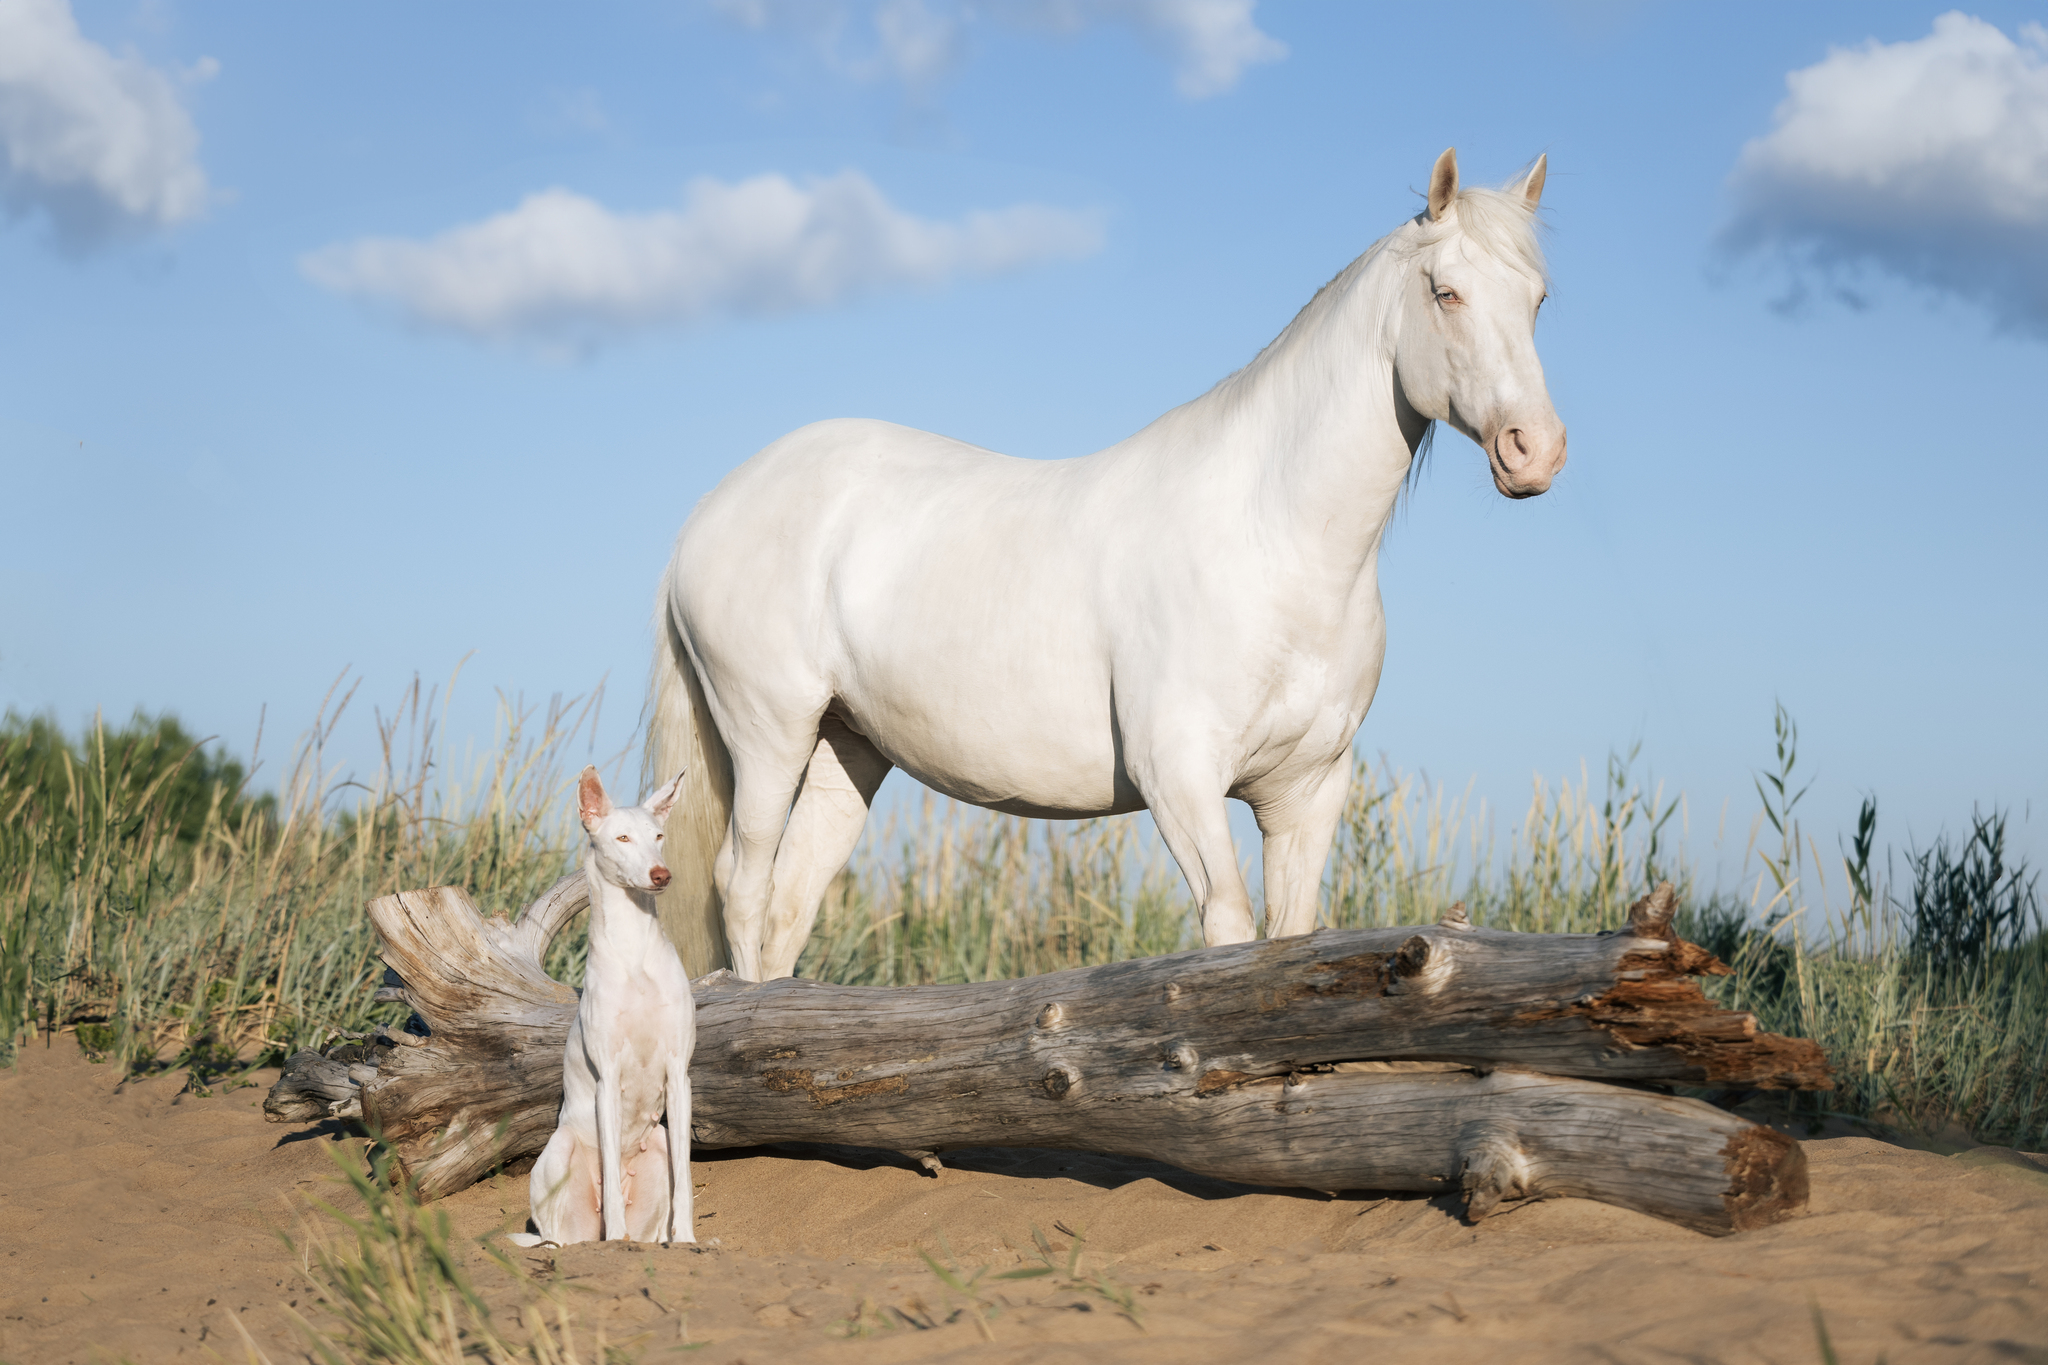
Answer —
100 143
920 42
567 272
1927 159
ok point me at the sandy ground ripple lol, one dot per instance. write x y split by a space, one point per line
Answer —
134 1216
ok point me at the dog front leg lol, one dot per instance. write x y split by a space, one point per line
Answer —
611 1128
682 1222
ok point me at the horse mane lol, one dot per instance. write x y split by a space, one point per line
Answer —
1501 221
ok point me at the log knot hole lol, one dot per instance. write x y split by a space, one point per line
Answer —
1182 1057
1052 1014
1060 1080
1406 963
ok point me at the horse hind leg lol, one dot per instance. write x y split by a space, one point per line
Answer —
831 810
765 779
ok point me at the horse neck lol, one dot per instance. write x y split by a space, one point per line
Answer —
1311 425
623 923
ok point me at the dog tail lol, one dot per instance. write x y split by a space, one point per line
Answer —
681 735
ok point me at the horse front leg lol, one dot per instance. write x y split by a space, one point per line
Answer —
1297 829
1187 806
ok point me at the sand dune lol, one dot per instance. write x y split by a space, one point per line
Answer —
134 1216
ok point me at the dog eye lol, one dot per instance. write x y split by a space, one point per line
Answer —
625 838
659 837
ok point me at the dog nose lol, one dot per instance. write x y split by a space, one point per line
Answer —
659 876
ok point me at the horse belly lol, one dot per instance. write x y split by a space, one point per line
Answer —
1042 747
971 653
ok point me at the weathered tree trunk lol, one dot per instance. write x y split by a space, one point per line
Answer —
1242 1062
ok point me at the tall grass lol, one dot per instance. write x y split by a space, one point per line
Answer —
1406 849
1929 995
162 935
947 892
243 932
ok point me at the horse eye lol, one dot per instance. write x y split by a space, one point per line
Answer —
1446 296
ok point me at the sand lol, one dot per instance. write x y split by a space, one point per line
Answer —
134 1216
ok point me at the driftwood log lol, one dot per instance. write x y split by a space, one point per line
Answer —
1387 1059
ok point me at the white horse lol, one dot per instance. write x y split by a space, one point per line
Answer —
1190 615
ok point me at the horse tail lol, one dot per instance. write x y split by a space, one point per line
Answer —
681 735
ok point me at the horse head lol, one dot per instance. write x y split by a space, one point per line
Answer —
1465 348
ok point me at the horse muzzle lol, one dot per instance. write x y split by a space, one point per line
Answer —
1526 459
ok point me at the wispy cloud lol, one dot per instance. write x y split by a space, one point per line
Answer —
99 143
577 111
907 41
569 274
1211 42
1927 159
919 43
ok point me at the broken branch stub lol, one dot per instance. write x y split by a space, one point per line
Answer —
485 1083
1353 1059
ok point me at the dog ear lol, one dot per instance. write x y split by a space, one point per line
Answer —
591 802
659 804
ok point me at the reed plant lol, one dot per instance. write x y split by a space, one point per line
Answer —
402 1289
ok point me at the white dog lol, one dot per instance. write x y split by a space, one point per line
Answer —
611 1171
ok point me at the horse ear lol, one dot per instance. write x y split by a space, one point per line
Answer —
659 804
1532 186
591 802
1443 184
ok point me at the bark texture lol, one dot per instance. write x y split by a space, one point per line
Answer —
1401 1058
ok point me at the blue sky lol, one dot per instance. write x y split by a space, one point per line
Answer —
289 383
